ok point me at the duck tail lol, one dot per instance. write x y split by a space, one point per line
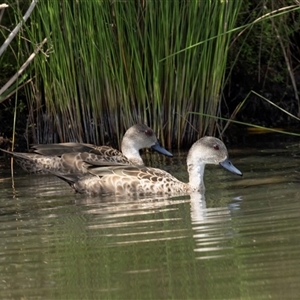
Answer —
69 178
30 162
18 154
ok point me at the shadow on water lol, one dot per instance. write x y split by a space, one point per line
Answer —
239 240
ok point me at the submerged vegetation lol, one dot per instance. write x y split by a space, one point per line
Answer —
96 67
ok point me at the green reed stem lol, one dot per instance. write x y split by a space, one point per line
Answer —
110 64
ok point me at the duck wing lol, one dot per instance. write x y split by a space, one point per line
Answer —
62 148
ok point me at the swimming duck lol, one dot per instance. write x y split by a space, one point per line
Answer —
68 158
140 180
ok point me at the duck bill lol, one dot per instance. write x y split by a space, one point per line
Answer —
157 147
227 164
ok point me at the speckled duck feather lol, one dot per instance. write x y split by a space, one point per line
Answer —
67 158
140 180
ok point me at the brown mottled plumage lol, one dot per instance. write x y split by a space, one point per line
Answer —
139 180
67 158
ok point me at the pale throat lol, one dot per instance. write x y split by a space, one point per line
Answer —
133 155
196 177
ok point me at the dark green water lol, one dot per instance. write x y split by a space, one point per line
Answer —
242 241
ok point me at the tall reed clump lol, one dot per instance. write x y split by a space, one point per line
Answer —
109 64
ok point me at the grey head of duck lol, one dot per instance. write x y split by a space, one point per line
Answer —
137 137
207 150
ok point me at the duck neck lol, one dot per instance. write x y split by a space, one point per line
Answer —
133 155
196 177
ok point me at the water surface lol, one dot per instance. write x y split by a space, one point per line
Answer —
238 241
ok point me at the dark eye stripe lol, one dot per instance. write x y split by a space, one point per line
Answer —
216 147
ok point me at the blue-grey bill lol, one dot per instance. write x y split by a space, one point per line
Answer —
157 147
227 164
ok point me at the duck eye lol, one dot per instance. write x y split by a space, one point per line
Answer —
149 132
216 147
